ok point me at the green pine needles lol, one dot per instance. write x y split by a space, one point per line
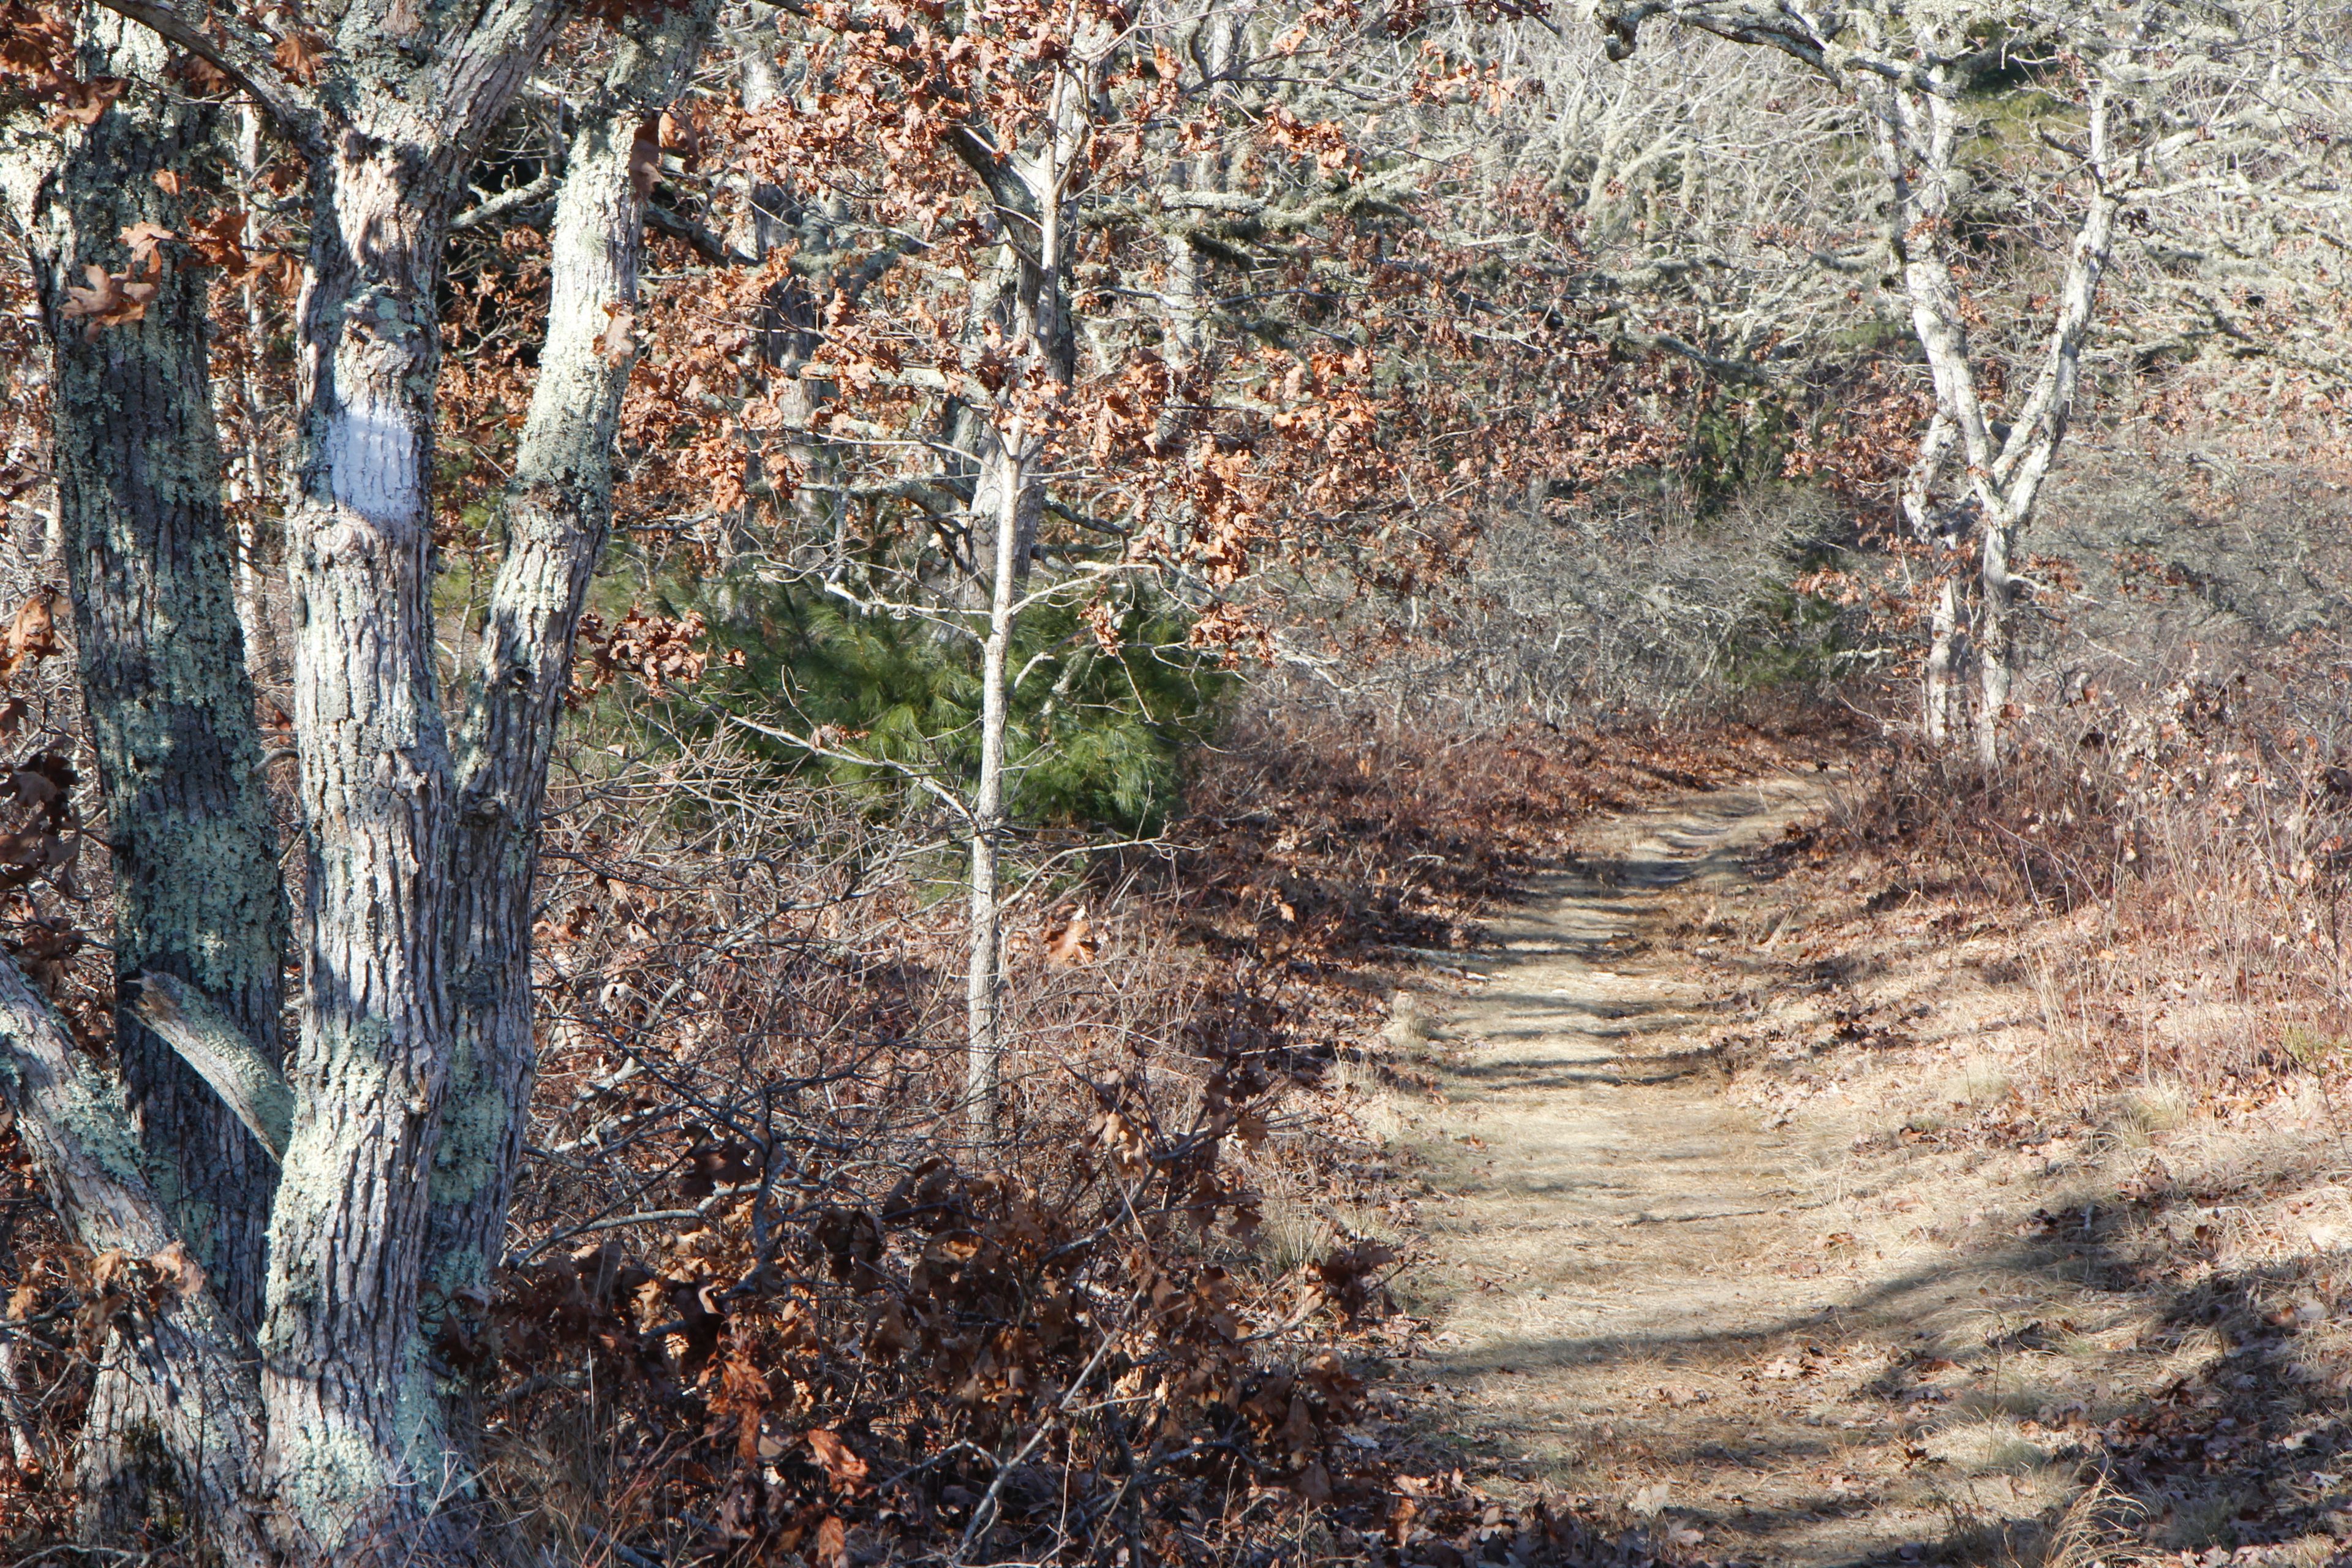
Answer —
1096 738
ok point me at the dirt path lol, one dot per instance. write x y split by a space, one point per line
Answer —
1648 1290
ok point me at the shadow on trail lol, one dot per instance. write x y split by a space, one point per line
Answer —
2249 1448
2242 1454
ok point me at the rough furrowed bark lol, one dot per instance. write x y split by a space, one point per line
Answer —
352 1464
559 518
161 655
172 1424
349 1459
180 1386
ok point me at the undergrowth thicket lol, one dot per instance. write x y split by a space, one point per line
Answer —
2190 846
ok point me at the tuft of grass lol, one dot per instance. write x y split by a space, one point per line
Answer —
2136 1116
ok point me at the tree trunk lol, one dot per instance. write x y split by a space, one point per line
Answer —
1996 641
984 977
256 467
350 1463
351 1458
179 1385
161 656
1943 687
559 518
161 664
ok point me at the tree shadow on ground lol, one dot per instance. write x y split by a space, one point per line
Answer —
2242 1455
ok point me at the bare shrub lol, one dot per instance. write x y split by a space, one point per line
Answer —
2195 831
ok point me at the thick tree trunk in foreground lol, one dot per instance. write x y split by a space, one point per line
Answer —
349 1457
389 112
196 891
161 657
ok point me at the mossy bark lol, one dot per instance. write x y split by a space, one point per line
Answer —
160 654
559 518
196 891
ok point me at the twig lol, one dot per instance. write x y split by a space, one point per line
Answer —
985 1514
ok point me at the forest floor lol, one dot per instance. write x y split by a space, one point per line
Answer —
1733 1214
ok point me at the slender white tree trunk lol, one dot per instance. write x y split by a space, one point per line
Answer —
984 978
1995 642
1943 690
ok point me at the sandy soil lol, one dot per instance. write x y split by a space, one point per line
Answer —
1697 1243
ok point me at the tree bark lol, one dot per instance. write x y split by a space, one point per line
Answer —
349 1459
1915 134
559 518
197 898
172 1375
1943 688
160 654
985 976
350 1462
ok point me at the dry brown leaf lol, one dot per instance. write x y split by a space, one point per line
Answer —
86 102
616 344
219 241
297 54
145 240
181 1272
1074 944
680 135
845 1469
645 159
32 636
112 298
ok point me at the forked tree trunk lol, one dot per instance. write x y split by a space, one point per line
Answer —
350 1467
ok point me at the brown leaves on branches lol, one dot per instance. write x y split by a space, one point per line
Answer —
38 59
660 653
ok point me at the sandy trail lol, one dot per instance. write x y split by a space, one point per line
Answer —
1609 1316
1764 1204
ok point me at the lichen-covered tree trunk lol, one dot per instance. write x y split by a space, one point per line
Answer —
180 1372
559 518
350 1461
349 1467
161 655
162 665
